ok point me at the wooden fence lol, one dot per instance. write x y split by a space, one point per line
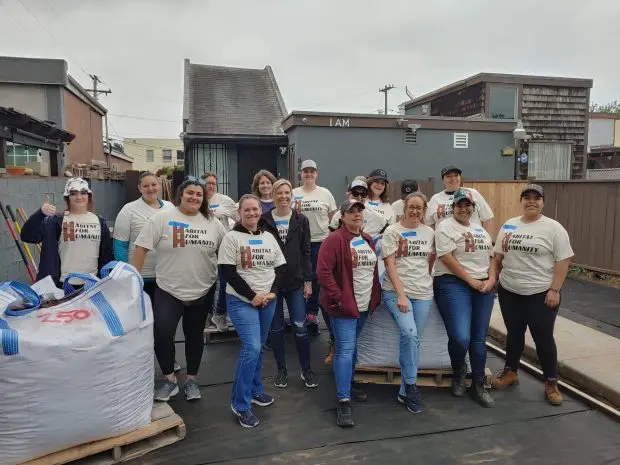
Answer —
589 210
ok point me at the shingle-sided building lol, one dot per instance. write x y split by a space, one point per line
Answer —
232 124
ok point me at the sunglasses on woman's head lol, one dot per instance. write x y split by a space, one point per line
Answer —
194 180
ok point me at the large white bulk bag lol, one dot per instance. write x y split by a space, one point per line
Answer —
77 372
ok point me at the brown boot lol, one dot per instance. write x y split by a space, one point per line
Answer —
504 379
552 393
331 352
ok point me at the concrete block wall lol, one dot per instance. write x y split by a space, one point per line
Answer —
29 193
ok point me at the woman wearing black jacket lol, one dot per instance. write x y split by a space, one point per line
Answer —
292 232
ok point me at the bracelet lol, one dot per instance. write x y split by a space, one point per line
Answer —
555 290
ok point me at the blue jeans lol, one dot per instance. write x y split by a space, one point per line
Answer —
296 308
220 308
346 331
466 314
312 304
252 325
411 325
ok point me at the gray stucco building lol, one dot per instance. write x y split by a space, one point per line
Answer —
416 147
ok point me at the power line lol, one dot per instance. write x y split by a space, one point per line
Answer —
120 115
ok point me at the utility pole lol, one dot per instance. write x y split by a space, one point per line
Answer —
385 91
96 93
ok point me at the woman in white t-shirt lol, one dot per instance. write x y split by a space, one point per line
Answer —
409 254
533 254
378 199
318 205
463 287
130 221
440 204
225 210
76 241
262 187
254 266
186 240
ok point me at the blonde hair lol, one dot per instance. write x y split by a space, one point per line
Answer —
248 197
279 183
256 180
416 195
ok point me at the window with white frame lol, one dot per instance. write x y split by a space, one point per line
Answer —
150 155
166 155
461 140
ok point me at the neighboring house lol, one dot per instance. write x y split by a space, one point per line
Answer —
406 147
153 154
601 130
119 160
553 111
232 124
42 88
604 146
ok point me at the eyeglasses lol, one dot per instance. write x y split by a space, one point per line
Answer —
362 194
194 180
416 209
75 192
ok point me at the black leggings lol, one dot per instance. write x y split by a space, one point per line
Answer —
521 312
167 312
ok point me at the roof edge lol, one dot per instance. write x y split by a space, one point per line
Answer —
274 84
500 78
186 93
84 95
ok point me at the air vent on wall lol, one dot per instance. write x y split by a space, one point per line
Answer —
461 140
411 136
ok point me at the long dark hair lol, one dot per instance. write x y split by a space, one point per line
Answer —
384 197
204 206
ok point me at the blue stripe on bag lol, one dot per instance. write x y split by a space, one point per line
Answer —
109 314
10 344
105 272
30 297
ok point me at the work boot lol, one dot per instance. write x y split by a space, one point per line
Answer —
458 387
331 353
505 378
344 414
479 393
552 393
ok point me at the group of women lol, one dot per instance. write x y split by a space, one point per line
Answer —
281 243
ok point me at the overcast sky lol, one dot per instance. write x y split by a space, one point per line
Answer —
327 55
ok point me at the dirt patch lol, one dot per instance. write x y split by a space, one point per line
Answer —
594 276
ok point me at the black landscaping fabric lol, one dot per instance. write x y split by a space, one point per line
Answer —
300 427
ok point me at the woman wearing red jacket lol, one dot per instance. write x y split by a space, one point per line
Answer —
347 271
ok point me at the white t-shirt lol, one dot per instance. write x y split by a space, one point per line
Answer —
256 257
530 252
78 245
471 246
282 223
128 226
411 249
186 246
383 208
399 209
373 222
440 208
224 208
364 262
316 206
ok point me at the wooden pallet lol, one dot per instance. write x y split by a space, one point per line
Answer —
427 377
166 428
213 336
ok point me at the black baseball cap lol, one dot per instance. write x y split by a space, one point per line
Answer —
347 206
408 186
533 188
450 169
378 174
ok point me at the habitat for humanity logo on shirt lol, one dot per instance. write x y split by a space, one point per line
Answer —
183 235
362 255
475 241
308 205
410 246
255 255
514 241
75 230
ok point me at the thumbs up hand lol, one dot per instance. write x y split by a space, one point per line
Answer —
48 209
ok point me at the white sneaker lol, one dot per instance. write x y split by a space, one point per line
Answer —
220 322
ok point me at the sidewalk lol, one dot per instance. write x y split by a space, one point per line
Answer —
586 357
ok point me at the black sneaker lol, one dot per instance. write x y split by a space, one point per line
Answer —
413 401
262 400
310 379
344 415
357 395
281 380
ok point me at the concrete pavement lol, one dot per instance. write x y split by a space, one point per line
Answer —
587 358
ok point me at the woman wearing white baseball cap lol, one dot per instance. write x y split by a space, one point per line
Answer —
77 241
318 205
